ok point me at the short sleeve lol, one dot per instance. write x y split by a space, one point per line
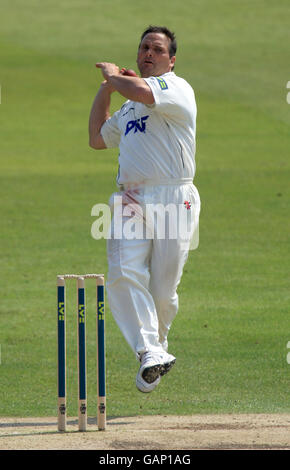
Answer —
111 132
173 96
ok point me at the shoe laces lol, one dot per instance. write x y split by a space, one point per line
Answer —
148 356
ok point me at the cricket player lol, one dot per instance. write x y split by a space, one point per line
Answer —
155 132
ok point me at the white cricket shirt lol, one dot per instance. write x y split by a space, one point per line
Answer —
156 142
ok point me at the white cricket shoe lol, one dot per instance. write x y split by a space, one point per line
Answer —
153 366
168 360
144 386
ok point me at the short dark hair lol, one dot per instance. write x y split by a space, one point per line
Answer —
167 32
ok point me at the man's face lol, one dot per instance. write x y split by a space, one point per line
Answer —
153 55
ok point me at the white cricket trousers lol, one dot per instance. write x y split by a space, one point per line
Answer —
144 270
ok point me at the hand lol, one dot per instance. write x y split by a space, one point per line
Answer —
108 69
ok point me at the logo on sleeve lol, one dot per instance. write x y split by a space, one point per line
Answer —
162 83
137 125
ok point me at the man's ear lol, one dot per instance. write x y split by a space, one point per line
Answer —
172 61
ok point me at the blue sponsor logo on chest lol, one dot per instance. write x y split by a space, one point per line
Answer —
137 125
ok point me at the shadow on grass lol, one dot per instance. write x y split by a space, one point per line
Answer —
53 424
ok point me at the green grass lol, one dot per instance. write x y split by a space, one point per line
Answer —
233 326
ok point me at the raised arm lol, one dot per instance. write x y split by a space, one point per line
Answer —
132 88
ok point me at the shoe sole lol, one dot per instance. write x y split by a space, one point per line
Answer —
166 367
150 374
143 388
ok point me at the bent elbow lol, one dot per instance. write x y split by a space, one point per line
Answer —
97 142
92 144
